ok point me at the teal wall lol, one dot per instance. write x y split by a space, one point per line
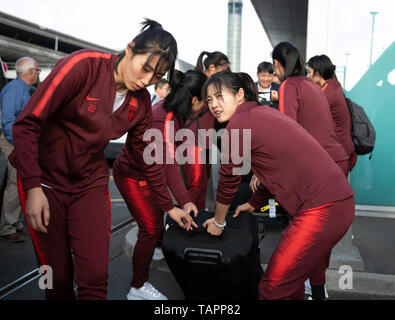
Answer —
374 180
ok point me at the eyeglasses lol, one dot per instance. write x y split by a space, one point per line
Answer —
38 70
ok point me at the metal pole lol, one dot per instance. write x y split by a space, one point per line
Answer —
345 70
373 13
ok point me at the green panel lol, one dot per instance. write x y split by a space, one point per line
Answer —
374 180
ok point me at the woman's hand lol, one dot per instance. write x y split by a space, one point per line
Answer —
190 206
212 228
183 219
243 207
37 209
254 183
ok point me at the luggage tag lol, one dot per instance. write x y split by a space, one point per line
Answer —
272 208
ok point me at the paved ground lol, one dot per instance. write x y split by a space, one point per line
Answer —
374 237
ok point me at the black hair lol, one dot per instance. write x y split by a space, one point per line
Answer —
290 58
157 41
265 67
184 87
233 82
216 58
161 83
323 65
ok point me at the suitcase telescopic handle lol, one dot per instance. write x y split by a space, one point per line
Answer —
200 255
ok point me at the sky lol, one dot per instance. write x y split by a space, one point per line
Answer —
197 25
353 34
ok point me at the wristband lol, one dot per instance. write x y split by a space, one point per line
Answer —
221 226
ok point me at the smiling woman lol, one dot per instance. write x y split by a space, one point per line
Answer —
89 98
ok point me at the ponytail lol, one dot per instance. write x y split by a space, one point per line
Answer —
215 58
148 24
250 89
323 66
290 58
184 88
199 63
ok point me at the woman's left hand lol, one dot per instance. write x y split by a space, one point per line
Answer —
212 228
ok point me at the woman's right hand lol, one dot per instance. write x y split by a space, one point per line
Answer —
190 206
37 209
183 219
254 183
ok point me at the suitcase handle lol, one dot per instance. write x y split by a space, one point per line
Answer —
205 256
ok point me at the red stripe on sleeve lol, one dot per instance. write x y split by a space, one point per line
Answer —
281 97
166 134
60 76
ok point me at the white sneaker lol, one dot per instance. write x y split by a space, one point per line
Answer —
307 287
146 292
158 254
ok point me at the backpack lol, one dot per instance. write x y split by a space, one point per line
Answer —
362 131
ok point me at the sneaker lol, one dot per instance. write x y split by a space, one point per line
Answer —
158 254
307 287
14 237
146 292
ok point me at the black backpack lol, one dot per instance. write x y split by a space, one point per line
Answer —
362 131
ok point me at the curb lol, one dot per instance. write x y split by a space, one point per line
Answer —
339 280
362 282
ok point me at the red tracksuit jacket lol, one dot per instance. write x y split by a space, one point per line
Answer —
60 135
303 101
341 116
129 167
287 160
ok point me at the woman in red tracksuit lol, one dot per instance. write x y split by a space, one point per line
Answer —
89 98
196 174
169 116
291 165
322 72
303 101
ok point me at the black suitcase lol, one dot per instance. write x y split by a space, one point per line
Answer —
208 267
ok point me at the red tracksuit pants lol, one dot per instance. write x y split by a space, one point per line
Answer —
306 241
144 208
317 276
196 178
77 242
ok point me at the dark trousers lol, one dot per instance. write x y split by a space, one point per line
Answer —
144 208
77 242
307 240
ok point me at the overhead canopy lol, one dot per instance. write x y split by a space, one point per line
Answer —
19 38
22 38
284 20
